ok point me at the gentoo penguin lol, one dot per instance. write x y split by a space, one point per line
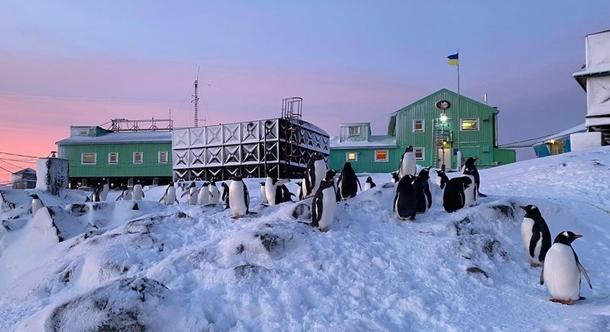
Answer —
105 191
453 195
407 163
203 197
191 194
239 197
137 193
224 195
535 234
263 193
97 193
323 206
369 184
470 192
404 206
36 203
273 190
562 269
286 194
299 191
471 169
214 193
314 174
169 196
125 194
422 191
348 183
441 178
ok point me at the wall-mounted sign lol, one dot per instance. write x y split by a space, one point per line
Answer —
443 105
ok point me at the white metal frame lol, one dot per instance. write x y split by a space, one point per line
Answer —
82 154
423 126
117 158
423 152
166 157
387 156
133 159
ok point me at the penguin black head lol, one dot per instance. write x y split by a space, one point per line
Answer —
531 210
369 180
224 185
470 162
262 184
205 184
213 181
439 172
566 237
409 148
395 177
34 196
330 175
192 185
236 178
300 183
424 173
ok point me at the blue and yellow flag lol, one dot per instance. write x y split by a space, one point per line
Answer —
453 59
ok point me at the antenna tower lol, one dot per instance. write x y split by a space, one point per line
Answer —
195 100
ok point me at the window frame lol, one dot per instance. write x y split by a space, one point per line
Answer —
347 156
133 158
166 157
117 158
387 156
423 126
478 121
82 155
349 131
423 152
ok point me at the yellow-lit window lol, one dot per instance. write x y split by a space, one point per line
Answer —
470 124
381 156
351 156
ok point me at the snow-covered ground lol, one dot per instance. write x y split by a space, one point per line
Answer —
190 268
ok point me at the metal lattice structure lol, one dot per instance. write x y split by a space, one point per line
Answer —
280 146
122 125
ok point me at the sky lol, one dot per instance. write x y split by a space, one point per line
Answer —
68 63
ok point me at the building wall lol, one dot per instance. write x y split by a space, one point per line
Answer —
125 167
366 160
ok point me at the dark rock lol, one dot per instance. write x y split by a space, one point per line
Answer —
270 241
181 215
474 269
459 225
492 246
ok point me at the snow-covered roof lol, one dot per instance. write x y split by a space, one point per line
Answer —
374 141
121 137
576 129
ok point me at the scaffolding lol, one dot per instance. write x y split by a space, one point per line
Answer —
123 125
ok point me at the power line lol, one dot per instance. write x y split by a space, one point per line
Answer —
18 155
6 170
31 161
9 163
523 141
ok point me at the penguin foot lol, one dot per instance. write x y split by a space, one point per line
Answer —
566 302
482 195
534 264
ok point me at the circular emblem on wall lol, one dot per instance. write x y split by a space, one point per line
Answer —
443 105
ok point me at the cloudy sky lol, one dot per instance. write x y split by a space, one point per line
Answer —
68 63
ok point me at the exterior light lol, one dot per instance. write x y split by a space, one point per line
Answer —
443 118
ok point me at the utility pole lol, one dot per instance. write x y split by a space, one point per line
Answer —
195 100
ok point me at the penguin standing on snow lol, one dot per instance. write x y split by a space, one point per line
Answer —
105 191
169 196
405 201
214 193
273 190
97 193
422 191
224 196
453 195
263 193
369 184
239 197
407 163
348 182
286 194
36 203
562 270
137 192
323 206
125 194
314 174
299 191
471 169
192 194
203 198
535 234
441 178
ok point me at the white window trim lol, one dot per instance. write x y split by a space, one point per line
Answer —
358 131
423 153
347 155
462 122
387 154
82 154
133 158
423 126
166 157
117 158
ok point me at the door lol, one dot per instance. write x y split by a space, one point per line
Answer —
444 158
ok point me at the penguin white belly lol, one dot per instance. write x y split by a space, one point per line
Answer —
329 205
170 197
236 199
36 205
193 196
263 194
561 275
408 165
270 191
204 196
137 192
127 195
104 192
367 186
526 234
214 194
320 171
469 193
304 189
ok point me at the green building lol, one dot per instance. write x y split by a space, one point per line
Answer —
433 127
95 154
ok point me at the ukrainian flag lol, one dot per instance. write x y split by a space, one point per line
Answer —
453 59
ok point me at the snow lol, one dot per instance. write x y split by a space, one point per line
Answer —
184 267
375 141
584 141
120 137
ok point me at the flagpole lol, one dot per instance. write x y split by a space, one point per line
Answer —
459 122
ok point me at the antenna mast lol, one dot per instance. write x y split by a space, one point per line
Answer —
195 100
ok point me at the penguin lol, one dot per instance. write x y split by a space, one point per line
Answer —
169 197
405 201
299 190
214 193
348 183
422 191
191 194
407 163
535 234
471 169
395 177
239 198
203 197
323 205
441 178
453 195
225 194
314 174
470 192
273 190
285 194
104 192
96 196
369 184
137 192
125 195
36 203
562 270
263 193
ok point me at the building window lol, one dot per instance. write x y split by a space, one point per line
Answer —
163 157
381 156
351 156
353 131
419 126
113 158
88 158
138 157
470 124
419 153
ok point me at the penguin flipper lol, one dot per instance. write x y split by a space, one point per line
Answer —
533 241
583 271
542 275
429 196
